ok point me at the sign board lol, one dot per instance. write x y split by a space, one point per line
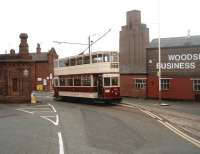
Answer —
39 87
39 79
180 61
44 82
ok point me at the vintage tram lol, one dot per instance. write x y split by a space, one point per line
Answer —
93 76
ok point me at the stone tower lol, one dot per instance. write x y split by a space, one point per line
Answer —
134 39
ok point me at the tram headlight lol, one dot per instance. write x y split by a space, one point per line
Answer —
107 90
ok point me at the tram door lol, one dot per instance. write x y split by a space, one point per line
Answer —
100 86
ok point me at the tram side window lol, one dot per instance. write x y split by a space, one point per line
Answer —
69 81
106 58
67 62
62 82
55 82
79 61
86 59
77 81
100 58
95 81
72 62
106 81
86 80
115 57
94 58
114 81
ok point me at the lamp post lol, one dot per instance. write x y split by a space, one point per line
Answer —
159 56
159 61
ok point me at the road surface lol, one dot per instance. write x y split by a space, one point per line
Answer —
79 128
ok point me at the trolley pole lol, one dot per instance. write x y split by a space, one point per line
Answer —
89 45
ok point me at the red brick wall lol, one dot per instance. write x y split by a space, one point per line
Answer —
43 69
180 89
127 86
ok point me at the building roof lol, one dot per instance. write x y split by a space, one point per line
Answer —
43 56
176 42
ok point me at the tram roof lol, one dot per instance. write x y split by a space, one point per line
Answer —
93 53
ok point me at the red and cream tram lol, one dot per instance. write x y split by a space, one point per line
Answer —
94 76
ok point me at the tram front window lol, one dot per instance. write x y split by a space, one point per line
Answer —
114 81
107 81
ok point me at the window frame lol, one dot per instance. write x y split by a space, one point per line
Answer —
196 85
165 84
140 83
85 79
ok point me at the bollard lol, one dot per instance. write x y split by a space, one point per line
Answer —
33 98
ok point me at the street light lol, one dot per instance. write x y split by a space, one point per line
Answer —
159 61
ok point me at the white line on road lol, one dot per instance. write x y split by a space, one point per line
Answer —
52 107
24 111
152 115
180 133
39 105
148 113
47 118
35 108
125 105
169 126
61 147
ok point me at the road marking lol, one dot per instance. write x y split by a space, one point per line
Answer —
148 113
180 133
39 105
48 118
36 108
145 111
33 110
24 111
153 115
169 126
125 105
61 147
52 107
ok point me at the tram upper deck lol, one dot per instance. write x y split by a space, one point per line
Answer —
97 62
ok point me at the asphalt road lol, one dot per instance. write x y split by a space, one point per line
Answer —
72 128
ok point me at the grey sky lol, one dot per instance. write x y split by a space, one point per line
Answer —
74 20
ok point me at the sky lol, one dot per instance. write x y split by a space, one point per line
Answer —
46 21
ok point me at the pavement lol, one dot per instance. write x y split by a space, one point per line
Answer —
183 114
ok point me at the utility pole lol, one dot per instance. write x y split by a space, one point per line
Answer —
89 45
159 56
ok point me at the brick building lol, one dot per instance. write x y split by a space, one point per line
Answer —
180 63
180 68
134 39
21 72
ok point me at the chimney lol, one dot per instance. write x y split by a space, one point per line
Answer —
38 49
12 51
23 47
